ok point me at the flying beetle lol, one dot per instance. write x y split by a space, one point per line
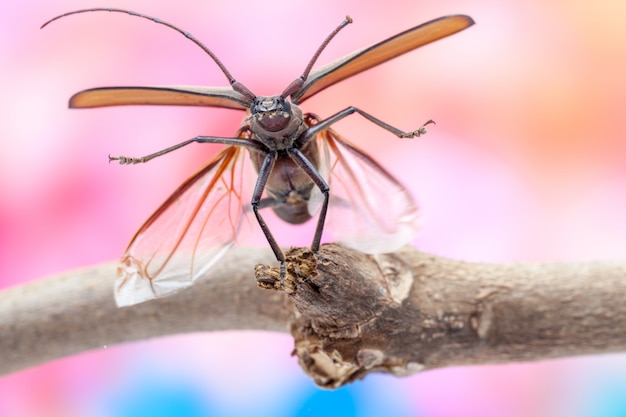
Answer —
304 168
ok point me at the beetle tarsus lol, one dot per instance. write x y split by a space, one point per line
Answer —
126 160
419 132
121 159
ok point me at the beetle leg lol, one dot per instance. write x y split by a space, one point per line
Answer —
322 125
126 160
299 158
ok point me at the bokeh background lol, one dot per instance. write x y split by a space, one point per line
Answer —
527 162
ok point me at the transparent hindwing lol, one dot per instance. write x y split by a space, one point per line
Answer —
369 209
189 232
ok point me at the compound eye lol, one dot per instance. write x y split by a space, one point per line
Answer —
286 106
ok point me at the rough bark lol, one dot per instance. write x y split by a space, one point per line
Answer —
350 313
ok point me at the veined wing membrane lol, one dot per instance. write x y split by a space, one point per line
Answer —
369 209
371 56
160 95
191 230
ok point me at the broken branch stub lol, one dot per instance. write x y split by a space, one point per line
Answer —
348 316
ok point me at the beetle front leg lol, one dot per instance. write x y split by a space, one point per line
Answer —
127 160
322 125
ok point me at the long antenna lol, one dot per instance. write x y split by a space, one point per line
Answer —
237 86
297 84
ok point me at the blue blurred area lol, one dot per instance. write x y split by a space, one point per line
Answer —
160 394
160 397
342 402
607 398
374 397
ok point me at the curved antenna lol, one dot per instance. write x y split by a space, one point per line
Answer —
297 84
236 85
373 55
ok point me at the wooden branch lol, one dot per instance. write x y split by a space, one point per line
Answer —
350 313
75 311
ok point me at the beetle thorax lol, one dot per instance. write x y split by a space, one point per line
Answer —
275 121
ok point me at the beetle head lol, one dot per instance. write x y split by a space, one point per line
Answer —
272 113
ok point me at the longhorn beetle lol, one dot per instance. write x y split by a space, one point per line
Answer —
301 163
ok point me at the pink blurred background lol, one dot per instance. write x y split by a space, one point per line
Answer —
527 162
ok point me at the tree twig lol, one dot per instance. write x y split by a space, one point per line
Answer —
350 313
75 311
